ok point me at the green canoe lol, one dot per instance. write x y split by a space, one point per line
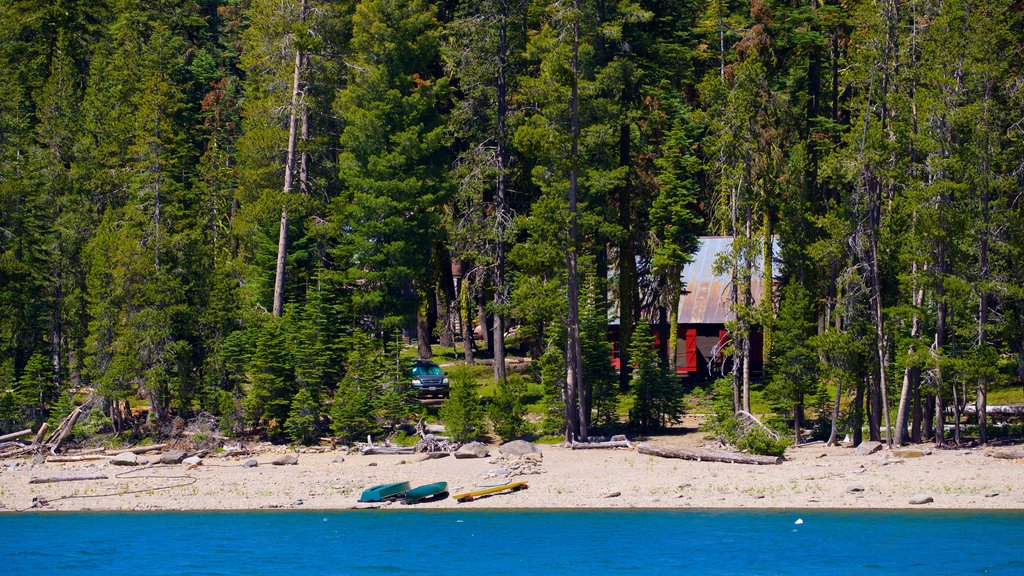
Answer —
438 489
384 492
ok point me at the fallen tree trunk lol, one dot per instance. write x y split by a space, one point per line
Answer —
1007 454
40 434
599 445
63 430
81 458
376 450
707 455
996 410
67 478
15 435
136 450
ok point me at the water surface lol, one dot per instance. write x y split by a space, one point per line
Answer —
589 543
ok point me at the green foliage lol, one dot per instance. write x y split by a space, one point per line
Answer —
598 373
11 418
657 396
271 380
142 151
462 413
375 393
552 377
61 409
391 157
722 422
758 441
794 362
506 410
303 423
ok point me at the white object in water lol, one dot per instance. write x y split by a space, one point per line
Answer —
799 521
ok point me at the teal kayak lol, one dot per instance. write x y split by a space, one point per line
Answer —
384 492
439 489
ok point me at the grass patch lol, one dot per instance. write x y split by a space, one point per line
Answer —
550 440
1008 394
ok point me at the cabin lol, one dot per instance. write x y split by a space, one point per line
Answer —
704 309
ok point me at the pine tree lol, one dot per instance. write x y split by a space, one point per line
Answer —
391 158
794 364
462 413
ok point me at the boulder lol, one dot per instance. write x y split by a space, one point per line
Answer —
192 461
250 464
918 499
125 459
285 460
472 450
867 448
908 453
338 459
430 456
853 489
518 448
172 457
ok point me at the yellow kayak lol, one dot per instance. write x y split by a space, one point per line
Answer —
473 494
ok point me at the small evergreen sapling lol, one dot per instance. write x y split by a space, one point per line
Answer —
462 413
507 413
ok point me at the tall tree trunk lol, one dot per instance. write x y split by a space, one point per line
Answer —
423 327
981 397
940 330
575 405
880 340
910 373
858 413
747 301
466 318
737 340
767 286
629 317
673 287
446 336
282 236
501 203
833 434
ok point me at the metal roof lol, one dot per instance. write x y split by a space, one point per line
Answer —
706 295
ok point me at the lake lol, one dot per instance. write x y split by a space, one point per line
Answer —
520 542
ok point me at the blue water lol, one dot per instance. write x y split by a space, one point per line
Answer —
590 543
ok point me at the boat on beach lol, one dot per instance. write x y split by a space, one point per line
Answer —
437 490
487 490
383 492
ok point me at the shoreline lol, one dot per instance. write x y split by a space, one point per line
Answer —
813 477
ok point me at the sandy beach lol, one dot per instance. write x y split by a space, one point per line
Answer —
813 476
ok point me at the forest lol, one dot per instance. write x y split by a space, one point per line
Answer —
251 210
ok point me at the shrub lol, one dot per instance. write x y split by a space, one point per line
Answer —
757 441
462 413
552 378
507 411
303 423
657 397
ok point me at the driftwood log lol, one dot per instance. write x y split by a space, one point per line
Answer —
599 445
707 455
136 450
63 430
15 435
375 450
79 458
43 428
996 410
67 478
1007 454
